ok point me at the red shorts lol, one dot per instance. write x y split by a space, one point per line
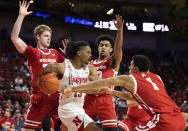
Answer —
40 106
101 106
163 122
128 124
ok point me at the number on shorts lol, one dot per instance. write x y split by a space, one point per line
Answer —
76 121
153 84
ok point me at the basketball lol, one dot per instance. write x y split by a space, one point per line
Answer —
48 83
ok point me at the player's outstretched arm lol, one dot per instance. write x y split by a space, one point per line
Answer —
123 80
17 41
120 94
54 68
117 55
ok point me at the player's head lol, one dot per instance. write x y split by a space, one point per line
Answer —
79 50
43 35
139 63
105 45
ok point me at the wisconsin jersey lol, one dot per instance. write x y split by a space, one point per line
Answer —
104 70
101 105
151 94
74 77
37 59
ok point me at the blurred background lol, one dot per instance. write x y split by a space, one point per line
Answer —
158 29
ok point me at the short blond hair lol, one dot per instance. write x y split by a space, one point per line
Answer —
40 29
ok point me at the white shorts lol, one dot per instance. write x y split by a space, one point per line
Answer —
73 119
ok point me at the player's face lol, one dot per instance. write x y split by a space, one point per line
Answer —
132 68
44 39
86 54
104 48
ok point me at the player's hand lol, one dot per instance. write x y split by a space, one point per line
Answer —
106 90
65 42
62 88
68 91
24 5
118 22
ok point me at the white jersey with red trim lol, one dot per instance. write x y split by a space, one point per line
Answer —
74 77
104 69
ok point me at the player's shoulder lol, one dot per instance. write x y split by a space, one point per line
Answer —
92 61
53 50
91 67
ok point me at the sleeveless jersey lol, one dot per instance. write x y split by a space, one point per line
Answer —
104 70
37 59
73 77
151 94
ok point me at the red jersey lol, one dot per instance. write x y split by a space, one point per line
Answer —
137 113
151 94
37 59
104 70
7 122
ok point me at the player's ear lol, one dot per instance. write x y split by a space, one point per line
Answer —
37 37
111 50
79 53
136 68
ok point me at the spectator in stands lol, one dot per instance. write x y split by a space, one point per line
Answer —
7 123
18 80
17 107
3 58
18 120
18 87
26 107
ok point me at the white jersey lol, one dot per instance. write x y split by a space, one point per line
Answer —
74 77
70 109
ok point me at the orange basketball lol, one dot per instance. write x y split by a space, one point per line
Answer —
49 83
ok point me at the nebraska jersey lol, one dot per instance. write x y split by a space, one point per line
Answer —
37 59
104 70
73 77
151 94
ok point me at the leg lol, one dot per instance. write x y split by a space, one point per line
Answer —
107 113
121 129
36 113
92 127
46 124
27 129
111 129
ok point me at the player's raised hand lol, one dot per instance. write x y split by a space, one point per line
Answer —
24 5
118 22
65 42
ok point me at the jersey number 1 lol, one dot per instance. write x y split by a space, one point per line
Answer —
153 84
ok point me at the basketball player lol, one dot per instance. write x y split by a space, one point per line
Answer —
37 58
102 105
149 91
75 71
135 114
